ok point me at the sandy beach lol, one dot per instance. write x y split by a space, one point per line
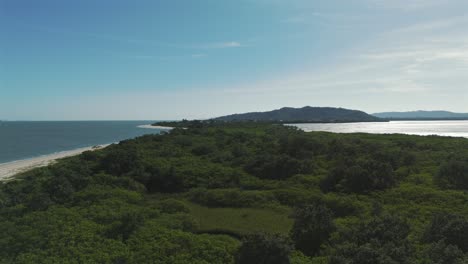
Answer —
155 127
9 169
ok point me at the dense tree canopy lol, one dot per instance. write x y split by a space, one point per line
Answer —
312 227
264 249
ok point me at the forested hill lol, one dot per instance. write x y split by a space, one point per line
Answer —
306 114
244 193
431 115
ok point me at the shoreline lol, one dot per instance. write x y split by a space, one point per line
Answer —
10 169
156 127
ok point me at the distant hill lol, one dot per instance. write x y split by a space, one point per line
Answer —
304 115
430 115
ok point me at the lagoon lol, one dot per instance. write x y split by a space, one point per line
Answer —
422 128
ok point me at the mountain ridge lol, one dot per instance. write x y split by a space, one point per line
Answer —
306 114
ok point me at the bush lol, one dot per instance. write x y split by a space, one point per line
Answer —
452 229
362 177
382 240
154 244
342 206
165 181
203 149
264 249
120 160
229 197
172 206
453 174
441 253
276 167
312 227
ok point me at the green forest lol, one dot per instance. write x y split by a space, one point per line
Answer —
244 193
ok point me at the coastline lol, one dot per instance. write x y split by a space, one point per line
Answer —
155 127
10 169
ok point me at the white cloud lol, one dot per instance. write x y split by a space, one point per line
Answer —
223 45
231 44
420 66
432 26
198 55
411 5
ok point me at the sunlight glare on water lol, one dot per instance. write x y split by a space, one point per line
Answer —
422 128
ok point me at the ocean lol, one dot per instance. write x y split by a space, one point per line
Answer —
421 128
22 140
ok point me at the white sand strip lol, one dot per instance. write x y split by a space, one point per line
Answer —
9 169
155 127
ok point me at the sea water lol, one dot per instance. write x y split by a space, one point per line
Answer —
422 128
23 140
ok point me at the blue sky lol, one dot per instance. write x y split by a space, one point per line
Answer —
171 59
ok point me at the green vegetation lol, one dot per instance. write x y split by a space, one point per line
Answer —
312 227
244 193
241 221
264 249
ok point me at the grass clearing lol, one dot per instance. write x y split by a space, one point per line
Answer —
241 221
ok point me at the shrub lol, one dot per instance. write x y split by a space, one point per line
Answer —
275 167
382 240
229 197
441 253
312 227
172 206
362 177
264 249
154 244
452 229
120 160
453 174
165 181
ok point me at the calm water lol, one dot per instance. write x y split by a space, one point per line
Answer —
423 128
22 140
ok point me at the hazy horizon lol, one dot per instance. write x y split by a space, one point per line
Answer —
168 60
158 120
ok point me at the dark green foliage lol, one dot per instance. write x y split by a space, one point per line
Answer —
276 167
312 227
449 228
360 177
441 253
383 240
153 244
172 206
453 174
125 225
230 197
121 160
203 149
59 235
167 181
60 189
264 249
